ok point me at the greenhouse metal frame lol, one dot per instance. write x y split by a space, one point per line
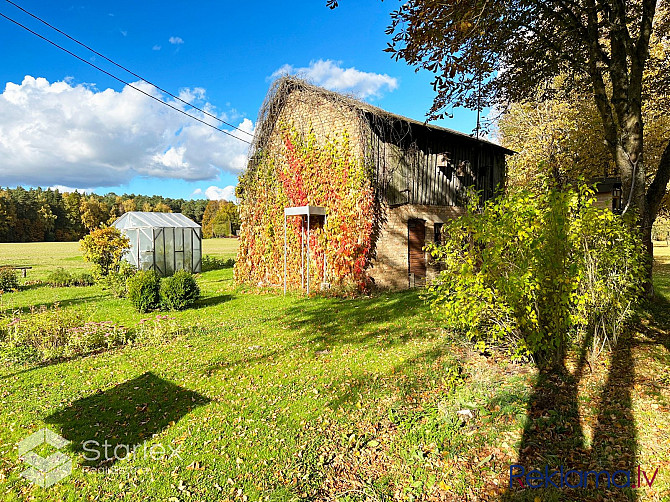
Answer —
164 242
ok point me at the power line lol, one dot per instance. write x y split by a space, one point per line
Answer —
124 68
123 81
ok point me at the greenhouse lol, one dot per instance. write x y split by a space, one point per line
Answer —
164 242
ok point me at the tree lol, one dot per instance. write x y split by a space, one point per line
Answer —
73 227
104 247
487 53
563 136
222 214
208 217
129 205
161 207
93 213
7 216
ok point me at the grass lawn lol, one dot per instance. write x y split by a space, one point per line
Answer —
266 397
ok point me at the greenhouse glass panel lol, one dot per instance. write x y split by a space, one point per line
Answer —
165 242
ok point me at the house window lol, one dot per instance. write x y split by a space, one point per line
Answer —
437 228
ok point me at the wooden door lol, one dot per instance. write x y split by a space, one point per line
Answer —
416 230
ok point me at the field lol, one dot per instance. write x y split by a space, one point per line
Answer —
258 396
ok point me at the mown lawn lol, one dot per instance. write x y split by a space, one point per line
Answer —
266 397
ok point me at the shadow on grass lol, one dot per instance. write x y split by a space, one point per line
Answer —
553 435
386 319
124 416
213 300
58 360
389 318
412 376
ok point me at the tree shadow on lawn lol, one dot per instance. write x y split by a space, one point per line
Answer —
59 360
410 377
335 321
360 320
124 416
213 300
553 435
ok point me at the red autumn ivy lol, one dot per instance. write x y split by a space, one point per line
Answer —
307 172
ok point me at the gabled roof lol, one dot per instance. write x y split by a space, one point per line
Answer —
286 85
140 219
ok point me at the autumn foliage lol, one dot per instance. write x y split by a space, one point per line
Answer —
307 173
104 248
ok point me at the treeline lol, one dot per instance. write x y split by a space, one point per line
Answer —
37 215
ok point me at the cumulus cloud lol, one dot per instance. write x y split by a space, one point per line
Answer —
176 40
64 189
74 135
217 193
331 75
156 47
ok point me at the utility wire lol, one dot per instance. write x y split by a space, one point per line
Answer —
124 82
123 67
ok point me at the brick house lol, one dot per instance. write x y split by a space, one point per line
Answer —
418 175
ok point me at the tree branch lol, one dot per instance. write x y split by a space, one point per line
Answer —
641 52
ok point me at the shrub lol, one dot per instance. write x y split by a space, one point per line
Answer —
104 248
96 335
9 280
143 290
157 329
62 278
83 279
534 272
214 263
45 334
117 282
179 291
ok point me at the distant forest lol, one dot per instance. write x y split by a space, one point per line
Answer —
37 215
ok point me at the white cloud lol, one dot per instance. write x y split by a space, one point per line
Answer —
331 75
64 189
156 47
176 40
217 193
74 135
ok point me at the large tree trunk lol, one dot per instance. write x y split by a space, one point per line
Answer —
653 200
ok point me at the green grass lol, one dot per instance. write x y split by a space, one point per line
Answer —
241 391
44 257
280 398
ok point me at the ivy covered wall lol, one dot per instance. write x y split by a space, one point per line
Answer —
303 171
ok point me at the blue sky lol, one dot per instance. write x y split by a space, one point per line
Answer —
64 123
